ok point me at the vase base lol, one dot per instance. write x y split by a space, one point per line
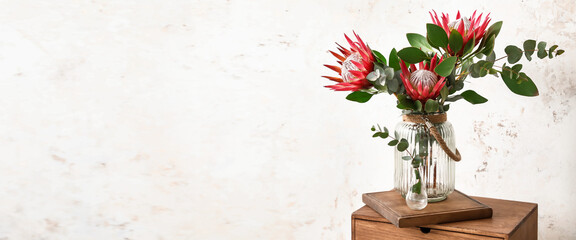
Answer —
436 199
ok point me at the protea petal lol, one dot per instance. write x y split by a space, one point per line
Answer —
334 68
335 79
341 58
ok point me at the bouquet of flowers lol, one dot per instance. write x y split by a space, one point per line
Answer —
425 78
430 74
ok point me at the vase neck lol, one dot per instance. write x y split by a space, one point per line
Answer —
421 118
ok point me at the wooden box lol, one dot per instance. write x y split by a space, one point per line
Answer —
457 207
510 220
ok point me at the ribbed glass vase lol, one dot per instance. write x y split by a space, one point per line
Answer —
437 167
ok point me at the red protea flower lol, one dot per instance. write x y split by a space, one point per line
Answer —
469 28
423 83
356 62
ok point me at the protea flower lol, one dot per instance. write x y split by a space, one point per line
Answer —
356 63
469 28
422 83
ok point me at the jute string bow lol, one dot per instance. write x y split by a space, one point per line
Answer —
429 121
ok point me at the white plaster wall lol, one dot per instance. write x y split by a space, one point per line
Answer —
209 120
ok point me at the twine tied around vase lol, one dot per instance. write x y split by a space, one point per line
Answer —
428 121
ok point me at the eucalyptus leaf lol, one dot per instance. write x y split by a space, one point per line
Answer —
551 50
418 106
514 54
525 87
406 158
431 106
393 143
542 53
529 48
402 145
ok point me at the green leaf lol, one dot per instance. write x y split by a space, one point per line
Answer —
469 46
455 41
373 129
393 143
402 145
489 47
359 96
473 97
431 106
542 53
406 158
551 50
418 106
405 103
525 87
393 84
384 134
559 52
379 57
436 36
516 70
492 31
412 55
444 92
393 60
389 73
529 48
446 107
446 66
514 54
419 41
416 188
376 134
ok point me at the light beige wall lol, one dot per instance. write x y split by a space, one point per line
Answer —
209 120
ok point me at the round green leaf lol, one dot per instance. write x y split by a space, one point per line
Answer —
514 54
402 145
393 142
412 55
529 48
431 106
542 53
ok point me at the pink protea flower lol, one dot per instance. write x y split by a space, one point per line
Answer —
356 63
422 83
469 28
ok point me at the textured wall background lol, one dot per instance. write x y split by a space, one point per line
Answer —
209 120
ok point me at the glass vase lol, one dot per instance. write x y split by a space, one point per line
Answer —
437 168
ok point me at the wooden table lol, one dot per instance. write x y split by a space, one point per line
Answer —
511 220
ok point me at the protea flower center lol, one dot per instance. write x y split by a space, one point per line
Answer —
424 77
455 24
347 65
